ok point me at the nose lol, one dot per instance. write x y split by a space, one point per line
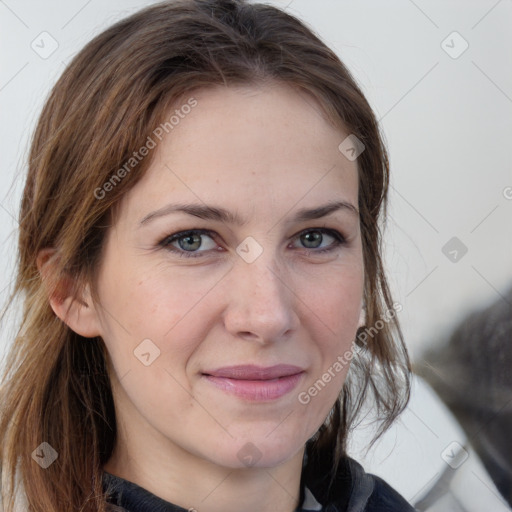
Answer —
260 303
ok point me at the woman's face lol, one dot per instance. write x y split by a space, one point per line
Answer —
240 247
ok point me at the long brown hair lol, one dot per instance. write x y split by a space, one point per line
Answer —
56 386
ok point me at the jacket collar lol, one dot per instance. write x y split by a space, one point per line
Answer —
130 497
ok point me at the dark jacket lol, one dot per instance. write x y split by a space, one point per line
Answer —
353 491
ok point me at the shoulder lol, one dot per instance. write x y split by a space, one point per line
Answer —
371 493
385 499
354 490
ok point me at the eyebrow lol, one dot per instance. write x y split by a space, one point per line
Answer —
221 214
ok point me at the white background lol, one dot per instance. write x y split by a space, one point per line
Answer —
447 121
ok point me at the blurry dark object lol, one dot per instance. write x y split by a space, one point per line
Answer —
472 374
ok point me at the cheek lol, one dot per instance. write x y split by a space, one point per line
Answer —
331 316
332 301
153 325
149 315
155 301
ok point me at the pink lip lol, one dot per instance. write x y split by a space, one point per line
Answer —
255 382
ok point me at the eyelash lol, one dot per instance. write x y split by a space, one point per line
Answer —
166 243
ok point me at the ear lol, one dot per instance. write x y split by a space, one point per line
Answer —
79 313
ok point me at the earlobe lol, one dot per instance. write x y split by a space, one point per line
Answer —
78 312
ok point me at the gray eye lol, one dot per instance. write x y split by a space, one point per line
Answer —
191 242
312 239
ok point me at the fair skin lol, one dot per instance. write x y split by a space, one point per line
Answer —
263 154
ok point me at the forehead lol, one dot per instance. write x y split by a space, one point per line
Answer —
240 145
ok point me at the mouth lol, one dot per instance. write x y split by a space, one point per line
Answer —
256 383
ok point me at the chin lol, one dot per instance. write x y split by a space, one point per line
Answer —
245 452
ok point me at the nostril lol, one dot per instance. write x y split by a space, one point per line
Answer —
247 334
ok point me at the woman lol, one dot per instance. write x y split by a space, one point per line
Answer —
199 257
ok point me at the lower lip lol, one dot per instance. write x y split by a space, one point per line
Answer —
257 390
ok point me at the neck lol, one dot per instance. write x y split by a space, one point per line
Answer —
193 483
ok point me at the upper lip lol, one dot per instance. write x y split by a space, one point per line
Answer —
254 372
